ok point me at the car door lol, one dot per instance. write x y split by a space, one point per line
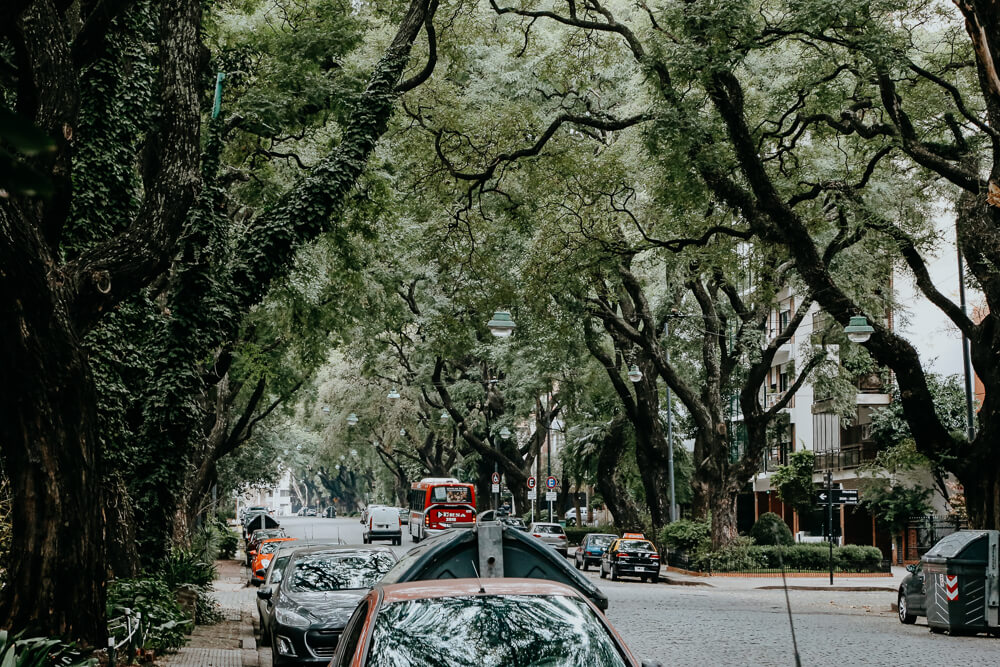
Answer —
916 596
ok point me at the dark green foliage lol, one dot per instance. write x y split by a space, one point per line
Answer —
576 535
163 623
744 555
771 529
21 651
206 611
794 482
187 567
228 544
893 505
685 535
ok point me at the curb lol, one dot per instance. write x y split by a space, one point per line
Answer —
846 589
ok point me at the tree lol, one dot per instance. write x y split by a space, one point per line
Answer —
53 294
794 481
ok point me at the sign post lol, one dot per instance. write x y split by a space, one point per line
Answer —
496 490
550 495
532 494
829 517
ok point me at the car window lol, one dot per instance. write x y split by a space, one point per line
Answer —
278 568
492 631
546 529
339 571
636 545
599 540
353 634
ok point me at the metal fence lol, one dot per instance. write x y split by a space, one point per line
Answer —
124 637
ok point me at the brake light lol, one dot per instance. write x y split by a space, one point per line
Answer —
656 556
562 537
535 535
427 520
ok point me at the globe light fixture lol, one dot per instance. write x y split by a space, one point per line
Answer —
352 419
502 325
402 432
393 394
444 416
326 409
505 433
634 374
354 452
858 330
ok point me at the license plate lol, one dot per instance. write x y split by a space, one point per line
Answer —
383 525
644 569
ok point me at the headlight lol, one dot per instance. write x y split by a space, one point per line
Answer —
290 618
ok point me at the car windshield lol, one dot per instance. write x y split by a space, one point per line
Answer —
492 631
339 571
550 529
600 540
269 547
636 545
451 494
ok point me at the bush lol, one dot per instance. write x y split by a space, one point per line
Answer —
576 535
228 544
686 535
40 652
163 623
187 567
771 529
738 555
744 555
207 611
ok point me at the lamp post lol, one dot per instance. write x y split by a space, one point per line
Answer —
501 326
966 361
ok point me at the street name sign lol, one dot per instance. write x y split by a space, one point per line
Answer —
839 497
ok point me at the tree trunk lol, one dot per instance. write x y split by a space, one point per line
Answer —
51 451
616 496
723 519
982 497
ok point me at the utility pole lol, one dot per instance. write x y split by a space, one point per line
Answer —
829 517
548 443
670 428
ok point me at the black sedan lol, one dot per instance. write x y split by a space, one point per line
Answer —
318 592
912 598
633 557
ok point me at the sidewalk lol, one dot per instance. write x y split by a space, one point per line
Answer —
798 582
229 643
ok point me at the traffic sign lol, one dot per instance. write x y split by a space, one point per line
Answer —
550 482
496 478
550 495
839 497
531 482
532 495
496 488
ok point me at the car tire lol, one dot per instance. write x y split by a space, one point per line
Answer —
586 566
265 637
603 576
614 573
655 579
903 610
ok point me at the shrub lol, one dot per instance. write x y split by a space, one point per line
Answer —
40 652
163 622
740 554
228 545
686 535
805 557
207 611
771 529
187 567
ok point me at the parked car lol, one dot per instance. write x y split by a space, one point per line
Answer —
262 558
463 622
552 534
310 511
272 577
912 599
591 549
383 523
258 536
319 590
330 512
631 555
571 519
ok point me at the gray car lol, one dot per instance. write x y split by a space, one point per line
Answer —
552 534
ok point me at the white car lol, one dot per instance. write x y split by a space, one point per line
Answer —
552 534
570 517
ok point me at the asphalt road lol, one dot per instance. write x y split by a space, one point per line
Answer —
733 623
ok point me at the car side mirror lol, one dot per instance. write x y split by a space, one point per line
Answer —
264 593
911 568
261 572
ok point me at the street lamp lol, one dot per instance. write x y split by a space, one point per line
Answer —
326 409
402 432
502 325
393 394
634 374
444 416
352 419
505 433
858 330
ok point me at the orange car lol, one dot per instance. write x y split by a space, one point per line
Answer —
459 621
265 550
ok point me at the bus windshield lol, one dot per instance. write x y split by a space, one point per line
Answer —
451 494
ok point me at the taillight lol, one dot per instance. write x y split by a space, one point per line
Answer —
655 556
535 535
427 520
562 537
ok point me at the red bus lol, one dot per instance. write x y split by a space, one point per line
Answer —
438 504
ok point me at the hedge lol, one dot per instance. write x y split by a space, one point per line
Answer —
743 556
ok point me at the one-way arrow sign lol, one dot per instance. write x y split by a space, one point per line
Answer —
837 497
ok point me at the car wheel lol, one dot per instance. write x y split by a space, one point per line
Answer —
586 566
904 611
603 576
655 579
614 573
265 636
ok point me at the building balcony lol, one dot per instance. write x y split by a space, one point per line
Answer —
847 457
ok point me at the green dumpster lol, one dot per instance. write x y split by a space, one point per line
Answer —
491 549
962 582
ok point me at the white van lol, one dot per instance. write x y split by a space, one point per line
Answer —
383 523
